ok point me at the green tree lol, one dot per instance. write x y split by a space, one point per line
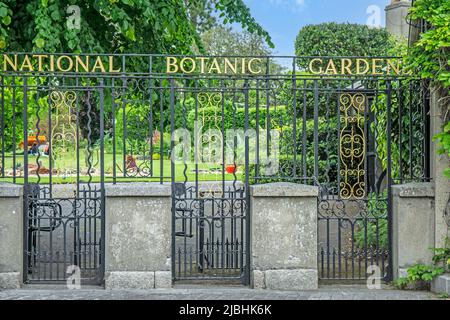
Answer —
341 39
133 26
223 41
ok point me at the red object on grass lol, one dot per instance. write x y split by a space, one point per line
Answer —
231 168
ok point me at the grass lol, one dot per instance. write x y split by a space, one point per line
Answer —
66 169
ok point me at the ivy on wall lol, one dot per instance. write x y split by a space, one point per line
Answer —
430 57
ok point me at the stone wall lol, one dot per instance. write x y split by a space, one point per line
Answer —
284 236
11 235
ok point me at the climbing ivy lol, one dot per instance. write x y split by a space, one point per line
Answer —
430 57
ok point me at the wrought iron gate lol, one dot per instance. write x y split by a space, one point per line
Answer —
211 135
210 200
63 201
64 218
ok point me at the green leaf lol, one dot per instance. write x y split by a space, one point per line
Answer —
6 20
130 34
40 43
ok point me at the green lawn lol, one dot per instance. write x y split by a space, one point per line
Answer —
65 170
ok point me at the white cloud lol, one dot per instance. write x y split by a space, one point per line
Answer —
294 5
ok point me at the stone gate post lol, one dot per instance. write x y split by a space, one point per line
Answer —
284 236
138 236
413 225
11 235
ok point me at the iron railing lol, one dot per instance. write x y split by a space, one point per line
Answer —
69 133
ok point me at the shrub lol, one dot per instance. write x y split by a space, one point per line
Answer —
341 39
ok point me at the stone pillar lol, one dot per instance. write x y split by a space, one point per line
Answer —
396 14
438 164
138 236
413 225
11 236
284 236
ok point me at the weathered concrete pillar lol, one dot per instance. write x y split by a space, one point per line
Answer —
439 162
11 235
413 225
284 236
138 236
396 14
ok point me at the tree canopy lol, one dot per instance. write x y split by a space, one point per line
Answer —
121 26
342 39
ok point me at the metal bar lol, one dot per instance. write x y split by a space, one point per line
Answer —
316 129
389 275
102 183
113 127
247 188
172 169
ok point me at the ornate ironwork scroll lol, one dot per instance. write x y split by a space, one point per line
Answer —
352 146
210 146
64 131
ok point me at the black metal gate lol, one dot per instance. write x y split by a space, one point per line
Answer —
353 136
63 201
210 198
211 135
53 155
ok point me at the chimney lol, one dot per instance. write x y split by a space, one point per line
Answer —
396 14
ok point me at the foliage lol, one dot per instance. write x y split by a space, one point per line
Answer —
222 41
373 231
116 25
419 272
403 121
442 256
341 39
292 168
429 56
443 139
234 117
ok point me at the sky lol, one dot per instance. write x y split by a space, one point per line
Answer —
284 18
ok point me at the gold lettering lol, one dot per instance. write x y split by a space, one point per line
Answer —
214 66
40 57
111 65
7 60
59 64
52 63
331 67
171 62
182 64
391 65
202 64
79 62
228 64
346 66
26 63
358 66
311 65
376 66
243 66
250 66
98 65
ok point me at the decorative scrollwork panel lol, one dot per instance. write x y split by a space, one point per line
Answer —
352 145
